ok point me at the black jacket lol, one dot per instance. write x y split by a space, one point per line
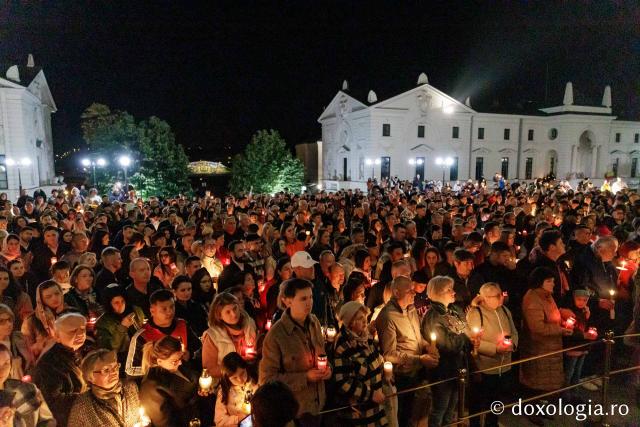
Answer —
169 398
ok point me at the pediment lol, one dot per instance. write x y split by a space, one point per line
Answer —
422 147
507 151
344 149
341 105
481 150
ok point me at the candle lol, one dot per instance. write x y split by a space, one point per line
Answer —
331 333
205 381
308 233
433 341
322 362
507 340
388 370
268 325
593 332
612 312
246 407
476 334
570 322
26 379
250 350
54 260
143 419
622 266
91 323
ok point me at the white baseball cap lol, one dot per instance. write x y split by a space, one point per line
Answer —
302 259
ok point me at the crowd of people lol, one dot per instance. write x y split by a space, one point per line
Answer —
312 309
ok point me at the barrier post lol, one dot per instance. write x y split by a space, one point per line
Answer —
608 352
462 380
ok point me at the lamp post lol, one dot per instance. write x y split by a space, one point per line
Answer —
125 161
372 163
444 164
93 163
25 161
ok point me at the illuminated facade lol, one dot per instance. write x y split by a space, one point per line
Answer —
408 134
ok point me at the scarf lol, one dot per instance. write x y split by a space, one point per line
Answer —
359 339
102 393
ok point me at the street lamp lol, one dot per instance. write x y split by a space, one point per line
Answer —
25 161
125 161
93 163
444 164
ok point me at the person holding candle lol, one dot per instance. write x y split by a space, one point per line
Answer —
291 348
82 296
231 329
582 333
22 359
44 253
358 369
454 343
237 386
186 308
168 267
109 402
498 341
202 288
398 327
168 391
49 303
542 333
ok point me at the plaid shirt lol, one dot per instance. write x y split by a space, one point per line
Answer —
31 409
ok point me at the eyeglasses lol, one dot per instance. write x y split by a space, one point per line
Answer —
108 369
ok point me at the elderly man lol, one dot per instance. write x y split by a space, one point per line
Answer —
402 344
57 373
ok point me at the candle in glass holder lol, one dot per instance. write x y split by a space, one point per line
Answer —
507 340
267 326
388 370
476 334
246 407
322 362
570 322
622 266
593 332
205 381
143 418
433 341
331 334
54 260
250 349
91 323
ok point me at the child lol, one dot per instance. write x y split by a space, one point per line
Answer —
236 389
60 274
574 359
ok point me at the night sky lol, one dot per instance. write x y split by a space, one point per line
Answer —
219 73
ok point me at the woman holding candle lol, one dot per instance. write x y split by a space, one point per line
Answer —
236 389
50 303
358 368
454 342
542 332
230 330
168 391
498 341
109 402
167 268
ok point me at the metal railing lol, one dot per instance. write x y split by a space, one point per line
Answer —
463 375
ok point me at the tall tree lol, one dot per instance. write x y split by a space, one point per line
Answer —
266 166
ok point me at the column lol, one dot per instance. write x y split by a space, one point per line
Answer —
594 161
572 166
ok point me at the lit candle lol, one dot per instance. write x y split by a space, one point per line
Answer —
205 381
308 233
476 334
507 340
388 370
622 266
246 407
91 323
433 341
322 362
570 322
144 420
593 332
268 325
250 350
331 333
612 312
54 260
26 379
524 232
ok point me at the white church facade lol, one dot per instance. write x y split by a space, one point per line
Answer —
26 143
412 133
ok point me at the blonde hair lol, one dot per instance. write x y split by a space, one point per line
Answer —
437 284
160 349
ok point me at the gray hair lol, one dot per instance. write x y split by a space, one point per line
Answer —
437 284
488 286
604 241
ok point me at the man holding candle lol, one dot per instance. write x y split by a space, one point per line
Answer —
398 327
498 341
292 347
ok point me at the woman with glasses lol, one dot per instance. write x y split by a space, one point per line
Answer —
108 402
168 391
167 268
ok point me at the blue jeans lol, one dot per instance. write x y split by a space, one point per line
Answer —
573 368
444 404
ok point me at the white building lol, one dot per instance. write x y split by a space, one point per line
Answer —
26 144
406 134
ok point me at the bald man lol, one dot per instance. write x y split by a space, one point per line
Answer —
144 284
57 373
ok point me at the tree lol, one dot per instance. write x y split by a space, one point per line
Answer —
266 166
160 165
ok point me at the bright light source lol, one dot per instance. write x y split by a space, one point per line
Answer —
412 161
377 161
439 161
85 162
124 161
448 161
448 109
319 187
25 161
101 162
420 161
369 162
118 184
10 162
303 188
